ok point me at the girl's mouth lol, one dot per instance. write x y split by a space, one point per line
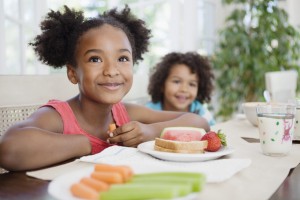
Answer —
181 99
111 86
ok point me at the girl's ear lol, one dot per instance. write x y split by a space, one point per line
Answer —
72 74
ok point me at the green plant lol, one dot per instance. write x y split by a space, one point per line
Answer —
257 38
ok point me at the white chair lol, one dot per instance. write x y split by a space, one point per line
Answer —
282 85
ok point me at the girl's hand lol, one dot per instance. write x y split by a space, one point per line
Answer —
131 134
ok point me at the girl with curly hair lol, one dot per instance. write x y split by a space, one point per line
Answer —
99 54
182 82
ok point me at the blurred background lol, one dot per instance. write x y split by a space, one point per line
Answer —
244 39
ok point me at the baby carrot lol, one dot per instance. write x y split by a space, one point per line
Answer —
124 171
112 127
99 186
108 177
83 191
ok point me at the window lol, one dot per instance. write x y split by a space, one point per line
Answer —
18 25
177 25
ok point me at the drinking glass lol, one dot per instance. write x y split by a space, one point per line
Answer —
297 121
276 124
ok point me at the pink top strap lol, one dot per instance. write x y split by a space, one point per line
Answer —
71 126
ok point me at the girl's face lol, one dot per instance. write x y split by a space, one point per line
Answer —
180 88
104 69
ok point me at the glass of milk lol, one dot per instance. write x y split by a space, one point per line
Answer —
297 121
276 124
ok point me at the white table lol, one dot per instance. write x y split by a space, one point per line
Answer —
265 174
257 182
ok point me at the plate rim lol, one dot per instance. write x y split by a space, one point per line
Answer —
188 157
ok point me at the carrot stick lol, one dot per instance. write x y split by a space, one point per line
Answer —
83 191
108 177
124 171
99 186
112 127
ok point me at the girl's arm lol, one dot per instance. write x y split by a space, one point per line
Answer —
166 118
37 142
146 124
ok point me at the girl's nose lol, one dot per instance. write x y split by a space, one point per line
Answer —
184 87
110 69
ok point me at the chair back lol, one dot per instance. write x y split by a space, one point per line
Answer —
12 114
282 85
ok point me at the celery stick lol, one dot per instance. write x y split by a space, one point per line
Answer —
185 185
133 191
198 179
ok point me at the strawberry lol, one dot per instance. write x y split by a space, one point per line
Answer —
214 140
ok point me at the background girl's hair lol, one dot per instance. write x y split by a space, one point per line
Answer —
61 30
196 63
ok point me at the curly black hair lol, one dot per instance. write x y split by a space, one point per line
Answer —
195 62
61 31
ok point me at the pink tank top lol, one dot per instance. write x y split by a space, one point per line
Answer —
71 126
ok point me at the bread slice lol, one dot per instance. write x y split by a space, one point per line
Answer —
179 146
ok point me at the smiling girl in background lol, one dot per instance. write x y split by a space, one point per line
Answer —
99 54
182 82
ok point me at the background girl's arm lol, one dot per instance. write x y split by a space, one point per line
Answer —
146 124
167 118
38 141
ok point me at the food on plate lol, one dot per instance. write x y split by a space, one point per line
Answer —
196 179
133 191
189 140
125 171
181 140
95 184
215 140
108 177
161 185
184 134
84 191
179 146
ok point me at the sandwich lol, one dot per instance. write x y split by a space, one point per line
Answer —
174 146
181 140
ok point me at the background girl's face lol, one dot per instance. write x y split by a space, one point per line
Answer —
180 88
104 64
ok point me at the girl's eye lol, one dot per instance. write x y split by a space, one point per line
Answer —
176 81
94 59
124 59
193 84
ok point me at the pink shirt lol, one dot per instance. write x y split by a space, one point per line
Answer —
71 126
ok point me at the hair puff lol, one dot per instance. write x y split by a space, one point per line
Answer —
53 45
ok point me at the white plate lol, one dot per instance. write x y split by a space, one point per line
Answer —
60 186
148 147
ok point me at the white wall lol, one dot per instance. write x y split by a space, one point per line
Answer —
293 7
